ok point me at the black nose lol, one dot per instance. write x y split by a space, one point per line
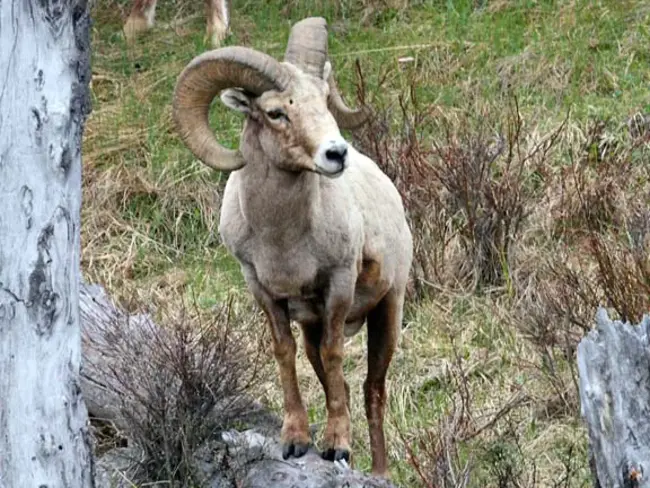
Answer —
337 154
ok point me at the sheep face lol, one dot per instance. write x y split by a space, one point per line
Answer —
293 128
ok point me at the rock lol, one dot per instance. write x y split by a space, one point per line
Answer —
310 471
212 466
263 465
249 443
116 468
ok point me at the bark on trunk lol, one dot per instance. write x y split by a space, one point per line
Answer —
614 368
99 318
44 100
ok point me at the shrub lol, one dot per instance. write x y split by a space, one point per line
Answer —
467 186
602 226
178 384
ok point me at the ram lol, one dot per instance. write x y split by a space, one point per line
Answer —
318 229
143 13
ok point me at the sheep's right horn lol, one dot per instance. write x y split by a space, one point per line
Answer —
205 77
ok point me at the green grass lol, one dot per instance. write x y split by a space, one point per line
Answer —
150 213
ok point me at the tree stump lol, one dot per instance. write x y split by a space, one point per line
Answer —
614 368
44 101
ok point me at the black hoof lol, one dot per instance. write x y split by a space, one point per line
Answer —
336 455
294 449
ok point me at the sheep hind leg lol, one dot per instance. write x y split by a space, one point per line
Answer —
217 21
384 323
141 18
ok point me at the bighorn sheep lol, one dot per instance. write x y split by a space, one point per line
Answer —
319 230
143 14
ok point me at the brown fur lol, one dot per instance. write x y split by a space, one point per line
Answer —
142 18
382 342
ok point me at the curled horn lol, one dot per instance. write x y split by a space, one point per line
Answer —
205 77
307 49
346 117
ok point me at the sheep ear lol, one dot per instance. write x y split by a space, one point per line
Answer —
327 70
236 99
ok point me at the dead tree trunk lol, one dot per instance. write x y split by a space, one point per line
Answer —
44 100
614 368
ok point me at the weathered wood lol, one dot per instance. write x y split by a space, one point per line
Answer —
44 100
99 318
614 368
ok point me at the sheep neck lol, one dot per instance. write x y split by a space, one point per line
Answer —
280 205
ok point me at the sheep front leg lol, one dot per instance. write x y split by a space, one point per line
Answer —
337 305
295 427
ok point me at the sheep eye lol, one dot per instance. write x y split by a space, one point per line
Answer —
276 114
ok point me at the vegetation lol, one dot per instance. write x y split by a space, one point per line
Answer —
518 132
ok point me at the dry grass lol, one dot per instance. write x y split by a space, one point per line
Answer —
525 218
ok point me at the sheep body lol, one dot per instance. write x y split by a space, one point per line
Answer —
319 230
356 220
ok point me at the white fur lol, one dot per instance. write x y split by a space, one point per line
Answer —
325 165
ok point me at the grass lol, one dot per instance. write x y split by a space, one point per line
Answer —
150 213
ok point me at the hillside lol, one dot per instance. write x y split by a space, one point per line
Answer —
518 132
